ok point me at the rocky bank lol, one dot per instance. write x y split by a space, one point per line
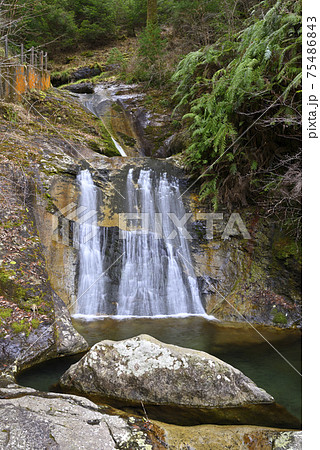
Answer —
34 420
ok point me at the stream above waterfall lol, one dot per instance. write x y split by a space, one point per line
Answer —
106 103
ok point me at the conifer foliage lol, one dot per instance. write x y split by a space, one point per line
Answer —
242 103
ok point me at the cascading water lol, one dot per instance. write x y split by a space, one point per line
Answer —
157 275
91 289
97 104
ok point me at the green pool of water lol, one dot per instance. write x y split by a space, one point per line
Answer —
241 346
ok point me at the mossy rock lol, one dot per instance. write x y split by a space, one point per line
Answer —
128 140
21 327
279 318
286 247
9 287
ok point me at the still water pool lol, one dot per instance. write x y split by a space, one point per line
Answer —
242 346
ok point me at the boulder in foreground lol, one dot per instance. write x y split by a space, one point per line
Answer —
176 384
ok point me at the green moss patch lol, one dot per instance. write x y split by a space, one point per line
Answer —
279 318
5 313
285 247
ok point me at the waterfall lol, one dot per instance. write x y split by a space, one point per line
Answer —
118 147
91 291
157 276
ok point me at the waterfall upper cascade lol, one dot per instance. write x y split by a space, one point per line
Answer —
97 104
155 275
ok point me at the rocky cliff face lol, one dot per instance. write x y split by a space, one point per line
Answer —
255 280
254 277
34 323
247 274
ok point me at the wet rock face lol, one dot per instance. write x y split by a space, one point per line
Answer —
86 72
33 324
174 144
67 340
257 279
75 75
19 350
81 88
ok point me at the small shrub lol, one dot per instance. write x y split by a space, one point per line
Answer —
151 46
115 56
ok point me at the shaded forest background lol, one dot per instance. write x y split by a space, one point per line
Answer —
230 70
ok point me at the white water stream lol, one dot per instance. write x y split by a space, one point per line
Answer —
157 277
97 104
157 274
91 291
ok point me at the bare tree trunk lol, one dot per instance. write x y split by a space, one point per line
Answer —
151 12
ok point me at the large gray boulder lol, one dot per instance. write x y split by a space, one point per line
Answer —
145 369
176 384
37 421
